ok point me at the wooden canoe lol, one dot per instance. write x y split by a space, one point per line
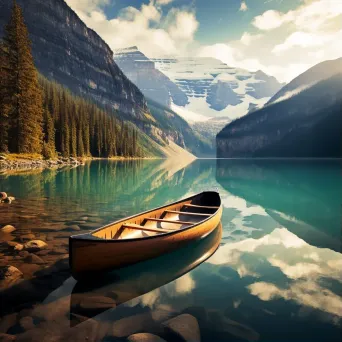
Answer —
136 280
144 236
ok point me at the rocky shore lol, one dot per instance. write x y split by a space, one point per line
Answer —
7 164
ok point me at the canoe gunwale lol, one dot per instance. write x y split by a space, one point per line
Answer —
91 238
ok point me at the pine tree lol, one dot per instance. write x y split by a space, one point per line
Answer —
25 105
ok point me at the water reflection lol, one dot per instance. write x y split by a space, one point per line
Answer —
303 196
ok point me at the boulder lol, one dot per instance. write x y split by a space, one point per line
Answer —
145 337
8 229
184 326
7 200
96 304
27 236
9 275
35 245
8 322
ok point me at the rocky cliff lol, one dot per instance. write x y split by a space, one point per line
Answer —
65 50
143 73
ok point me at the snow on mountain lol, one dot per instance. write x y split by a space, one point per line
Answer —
216 90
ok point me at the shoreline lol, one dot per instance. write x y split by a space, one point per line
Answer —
22 163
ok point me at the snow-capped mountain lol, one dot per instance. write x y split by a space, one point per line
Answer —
216 90
153 83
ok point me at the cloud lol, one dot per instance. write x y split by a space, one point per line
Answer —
270 20
146 27
163 2
243 6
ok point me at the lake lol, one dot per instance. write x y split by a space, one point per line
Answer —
270 272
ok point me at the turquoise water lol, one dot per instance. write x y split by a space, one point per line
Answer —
270 272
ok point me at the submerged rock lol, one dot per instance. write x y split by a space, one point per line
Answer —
3 195
145 337
8 229
35 245
9 275
6 337
34 259
184 326
26 323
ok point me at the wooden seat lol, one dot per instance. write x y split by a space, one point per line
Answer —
156 230
186 213
170 221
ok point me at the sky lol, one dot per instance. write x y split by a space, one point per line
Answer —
283 38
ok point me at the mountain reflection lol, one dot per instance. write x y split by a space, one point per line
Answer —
303 196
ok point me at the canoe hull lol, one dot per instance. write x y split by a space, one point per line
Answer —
90 256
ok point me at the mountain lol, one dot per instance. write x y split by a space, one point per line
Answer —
67 51
216 90
307 79
307 124
153 83
180 132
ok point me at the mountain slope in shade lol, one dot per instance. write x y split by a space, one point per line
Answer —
153 83
65 50
76 57
216 90
308 124
307 79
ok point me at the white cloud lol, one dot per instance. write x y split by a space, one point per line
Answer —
270 20
145 27
243 6
163 2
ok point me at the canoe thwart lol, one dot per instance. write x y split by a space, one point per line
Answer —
169 221
156 230
186 213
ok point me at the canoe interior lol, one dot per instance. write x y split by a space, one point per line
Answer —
176 216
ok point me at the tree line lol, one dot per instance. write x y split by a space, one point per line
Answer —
40 116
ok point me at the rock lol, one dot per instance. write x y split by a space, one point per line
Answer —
8 229
11 244
3 195
23 254
59 251
7 200
85 331
96 304
27 236
18 247
8 322
184 326
11 198
84 218
133 324
145 337
35 245
34 259
26 323
72 228
43 252
6 337
3 158
9 275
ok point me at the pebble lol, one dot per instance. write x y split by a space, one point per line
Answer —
184 326
27 237
18 247
145 337
3 195
9 275
8 229
58 251
35 245
7 337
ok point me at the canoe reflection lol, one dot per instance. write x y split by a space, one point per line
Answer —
120 286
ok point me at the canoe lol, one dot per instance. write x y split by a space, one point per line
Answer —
91 298
144 236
